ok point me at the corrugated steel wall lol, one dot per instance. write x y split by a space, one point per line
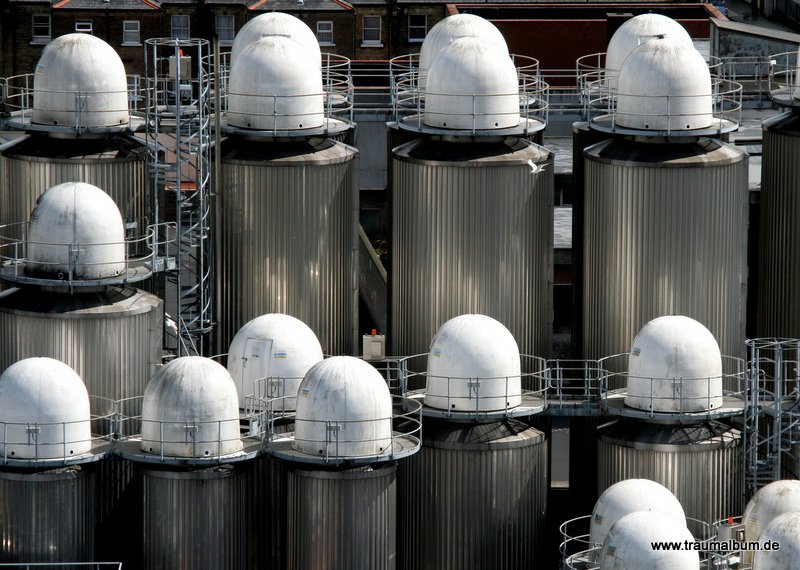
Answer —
284 238
112 339
47 516
779 248
666 233
701 464
474 497
30 167
194 520
472 232
342 520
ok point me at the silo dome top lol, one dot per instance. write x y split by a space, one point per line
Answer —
274 346
630 496
784 530
275 84
770 501
350 395
276 24
191 410
629 543
452 28
49 393
673 348
638 30
664 85
76 228
80 80
473 364
472 84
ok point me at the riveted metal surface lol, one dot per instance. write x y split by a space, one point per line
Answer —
48 516
194 519
472 231
341 520
701 464
665 234
285 237
474 497
779 247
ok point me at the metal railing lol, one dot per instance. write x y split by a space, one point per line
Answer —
783 75
56 565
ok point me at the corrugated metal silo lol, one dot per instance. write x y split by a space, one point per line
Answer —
666 231
475 497
700 463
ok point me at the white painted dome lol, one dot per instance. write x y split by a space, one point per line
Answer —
471 349
275 84
80 63
630 496
669 348
777 498
191 409
472 83
633 33
83 215
628 543
452 28
664 84
276 24
348 393
47 392
274 346
784 530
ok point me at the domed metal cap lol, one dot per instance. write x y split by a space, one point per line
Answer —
769 502
629 543
276 24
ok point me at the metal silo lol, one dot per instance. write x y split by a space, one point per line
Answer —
47 482
779 253
341 462
472 198
75 110
665 208
481 472
287 206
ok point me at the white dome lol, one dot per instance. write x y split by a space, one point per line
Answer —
785 530
275 84
47 392
452 28
664 84
273 346
670 348
80 63
470 349
472 83
633 33
770 501
190 409
83 215
276 24
349 394
630 496
628 543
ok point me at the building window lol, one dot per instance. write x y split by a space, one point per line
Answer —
372 31
325 33
83 26
180 27
225 29
130 33
417 27
40 28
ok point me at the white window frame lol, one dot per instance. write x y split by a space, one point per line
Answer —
173 27
321 32
227 41
130 27
423 28
41 38
84 27
364 28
